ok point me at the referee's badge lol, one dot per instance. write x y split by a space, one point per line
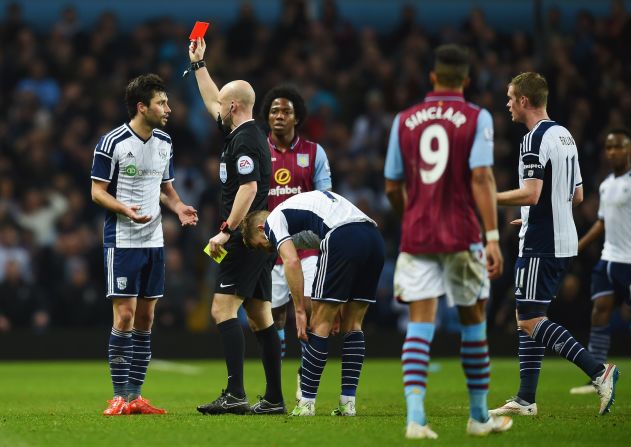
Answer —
223 172
303 160
121 282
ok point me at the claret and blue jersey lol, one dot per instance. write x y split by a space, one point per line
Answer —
134 169
433 148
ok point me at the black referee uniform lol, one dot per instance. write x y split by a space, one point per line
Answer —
245 158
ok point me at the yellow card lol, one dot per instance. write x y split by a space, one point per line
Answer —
219 258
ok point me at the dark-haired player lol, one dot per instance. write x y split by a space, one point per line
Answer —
132 174
611 277
298 165
438 169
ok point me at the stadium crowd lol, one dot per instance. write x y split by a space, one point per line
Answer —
60 91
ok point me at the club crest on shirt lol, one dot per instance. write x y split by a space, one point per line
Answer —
302 160
121 282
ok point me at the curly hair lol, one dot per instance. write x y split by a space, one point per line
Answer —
290 93
142 89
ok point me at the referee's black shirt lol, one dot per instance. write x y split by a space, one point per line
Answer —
245 158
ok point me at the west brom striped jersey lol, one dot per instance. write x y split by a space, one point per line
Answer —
615 211
548 153
134 169
308 217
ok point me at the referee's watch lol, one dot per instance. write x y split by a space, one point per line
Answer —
225 228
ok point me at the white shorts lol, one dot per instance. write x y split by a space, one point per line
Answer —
280 289
461 276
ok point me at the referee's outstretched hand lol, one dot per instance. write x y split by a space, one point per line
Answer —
196 49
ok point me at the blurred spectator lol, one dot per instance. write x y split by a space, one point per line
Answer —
79 301
39 213
39 83
11 251
22 305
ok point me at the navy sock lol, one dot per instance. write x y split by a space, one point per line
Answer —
599 342
233 343
531 354
352 361
270 350
120 352
141 341
314 355
557 338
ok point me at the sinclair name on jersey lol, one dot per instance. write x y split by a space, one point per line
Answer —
435 113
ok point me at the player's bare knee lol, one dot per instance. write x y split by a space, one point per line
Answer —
321 328
350 326
470 315
144 322
124 319
279 314
528 326
602 310
222 311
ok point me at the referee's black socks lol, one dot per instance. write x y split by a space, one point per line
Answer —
271 356
233 343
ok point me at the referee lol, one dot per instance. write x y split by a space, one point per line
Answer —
244 275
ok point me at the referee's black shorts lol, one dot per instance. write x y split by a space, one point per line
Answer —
244 272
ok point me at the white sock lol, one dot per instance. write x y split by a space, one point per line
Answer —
346 399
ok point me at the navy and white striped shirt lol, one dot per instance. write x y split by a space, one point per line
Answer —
549 153
309 217
134 169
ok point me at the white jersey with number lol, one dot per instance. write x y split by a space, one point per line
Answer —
549 153
615 211
134 169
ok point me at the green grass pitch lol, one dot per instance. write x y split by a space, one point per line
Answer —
60 404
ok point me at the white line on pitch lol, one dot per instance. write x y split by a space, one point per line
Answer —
168 366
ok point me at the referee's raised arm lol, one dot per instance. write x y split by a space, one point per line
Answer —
207 87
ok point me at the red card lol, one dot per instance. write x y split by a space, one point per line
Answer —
199 30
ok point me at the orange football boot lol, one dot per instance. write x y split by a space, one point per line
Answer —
141 405
118 407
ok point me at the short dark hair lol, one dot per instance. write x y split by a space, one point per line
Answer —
290 93
451 64
620 131
533 86
142 89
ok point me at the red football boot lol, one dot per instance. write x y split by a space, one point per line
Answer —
118 407
141 405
